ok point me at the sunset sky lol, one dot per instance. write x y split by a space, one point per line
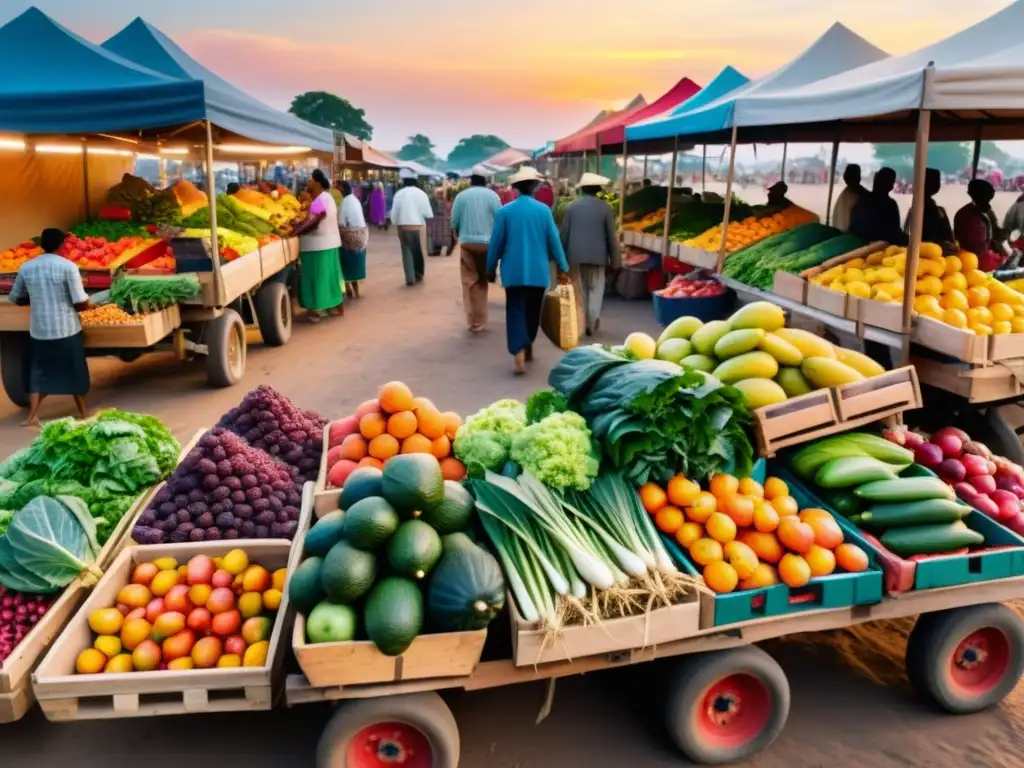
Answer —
527 70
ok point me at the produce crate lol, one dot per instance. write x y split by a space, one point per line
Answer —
273 257
154 327
698 257
1002 560
325 499
291 249
1006 346
790 286
877 314
820 297
629 237
712 308
650 243
990 382
833 302
954 342
837 409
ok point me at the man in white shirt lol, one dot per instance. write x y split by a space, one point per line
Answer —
409 213
842 213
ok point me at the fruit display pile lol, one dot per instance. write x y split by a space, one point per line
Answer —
393 423
745 535
752 229
394 561
19 613
688 288
206 613
108 314
755 353
11 259
793 251
232 244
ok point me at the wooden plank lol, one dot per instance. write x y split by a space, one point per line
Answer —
13 706
879 396
273 257
325 499
955 342
790 286
154 327
977 384
832 302
698 257
13 317
1006 346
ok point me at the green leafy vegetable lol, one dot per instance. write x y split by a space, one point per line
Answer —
558 451
146 294
542 404
484 440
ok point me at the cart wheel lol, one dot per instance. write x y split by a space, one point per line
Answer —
967 659
1001 438
414 730
225 339
727 706
14 366
274 314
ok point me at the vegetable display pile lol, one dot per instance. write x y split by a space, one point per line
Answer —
268 420
394 562
108 230
740 234
149 294
19 612
793 251
223 489
209 612
232 244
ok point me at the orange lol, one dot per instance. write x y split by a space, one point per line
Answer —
682 492
968 260
785 505
827 533
774 487
353 448
452 422
723 485
669 519
652 497
383 447
704 551
441 447
765 545
702 507
851 558
394 397
750 487
794 571
764 575
955 317
369 461
954 299
721 527
820 560
689 533
720 577
1002 326
766 519
402 424
371 425
979 316
416 444
741 557
452 469
422 402
430 423
794 534
740 509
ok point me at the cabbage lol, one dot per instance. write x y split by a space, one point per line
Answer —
558 451
484 440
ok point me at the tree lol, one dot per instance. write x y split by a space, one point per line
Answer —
419 149
475 149
992 152
330 111
947 157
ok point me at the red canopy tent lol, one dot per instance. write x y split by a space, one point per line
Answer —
612 130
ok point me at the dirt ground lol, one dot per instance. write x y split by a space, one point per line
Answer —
851 704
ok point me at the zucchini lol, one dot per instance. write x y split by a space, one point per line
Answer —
852 470
882 449
806 461
905 489
928 512
844 501
930 539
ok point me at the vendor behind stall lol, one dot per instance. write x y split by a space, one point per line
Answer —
975 228
876 216
935 227
52 286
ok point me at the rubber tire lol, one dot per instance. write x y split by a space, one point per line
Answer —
1000 437
14 366
694 674
934 640
217 335
274 313
426 712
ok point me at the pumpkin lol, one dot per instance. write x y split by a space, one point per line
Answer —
467 589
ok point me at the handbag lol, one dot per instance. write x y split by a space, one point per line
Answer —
558 317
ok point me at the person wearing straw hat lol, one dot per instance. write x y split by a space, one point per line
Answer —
591 245
472 223
409 213
524 240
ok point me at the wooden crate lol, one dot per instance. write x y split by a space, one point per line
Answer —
863 252
325 499
629 237
651 243
790 286
877 314
820 297
698 257
154 327
794 421
1006 346
955 342
990 382
531 647
878 397
291 249
273 257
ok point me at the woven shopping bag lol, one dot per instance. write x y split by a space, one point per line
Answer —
558 318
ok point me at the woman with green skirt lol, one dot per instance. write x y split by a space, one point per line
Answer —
320 278
354 237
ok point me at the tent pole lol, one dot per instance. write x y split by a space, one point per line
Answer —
85 177
668 202
597 139
622 182
584 166
976 158
645 169
728 202
161 165
211 195
785 149
916 219
704 170
831 181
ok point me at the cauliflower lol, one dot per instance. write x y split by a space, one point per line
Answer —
558 451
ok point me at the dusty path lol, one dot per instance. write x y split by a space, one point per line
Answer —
851 702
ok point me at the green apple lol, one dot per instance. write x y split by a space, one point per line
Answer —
331 623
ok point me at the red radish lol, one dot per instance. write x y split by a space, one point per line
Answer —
1018 491
1001 497
951 445
928 455
912 439
978 449
952 471
986 506
959 434
965 490
985 484
1006 482
974 465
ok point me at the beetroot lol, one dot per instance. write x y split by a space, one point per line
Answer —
952 471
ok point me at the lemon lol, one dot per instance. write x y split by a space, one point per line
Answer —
1001 312
859 289
1002 326
953 266
969 260
954 282
885 297
1017 324
981 329
837 285
857 263
975 277
978 296
888 275
955 300
875 259
979 316
853 276
930 285
956 318
927 304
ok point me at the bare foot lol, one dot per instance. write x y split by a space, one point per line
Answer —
336 312
520 359
312 317
30 423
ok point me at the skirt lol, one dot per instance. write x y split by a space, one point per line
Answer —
58 366
320 280
353 264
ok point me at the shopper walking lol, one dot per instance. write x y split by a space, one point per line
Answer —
409 213
524 240
354 238
591 245
472 222
320 278
378 206
52 286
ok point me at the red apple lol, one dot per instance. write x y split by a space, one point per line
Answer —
928 455
912 439
985 484
959 434
952 471
974 465
951 445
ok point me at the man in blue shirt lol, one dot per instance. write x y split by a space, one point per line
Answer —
525 239
472 222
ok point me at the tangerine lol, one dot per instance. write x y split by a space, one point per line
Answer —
785 505
353 448
814 513
452 469
688 533
416 444
794 534
820 560
741 557
704 551
774 487
765 545
372 425
402 424
720 577
702 508
669 519
682 492
370 461
383 447
723 485
740 509
721 527
827 533
851 558
766 519
764 575
430 423
653 497
441 447
452 422
394 397
794 570
750 487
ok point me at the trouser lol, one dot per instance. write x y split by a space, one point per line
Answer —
523 305
588 282
473 271
413 247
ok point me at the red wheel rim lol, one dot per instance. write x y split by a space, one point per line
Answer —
387 745
733 711
980 661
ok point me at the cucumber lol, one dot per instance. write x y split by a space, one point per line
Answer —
928 512
808 459
905 489
882 449
930 539
844 501
852 470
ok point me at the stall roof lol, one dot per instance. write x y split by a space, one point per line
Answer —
509 157
661 125
226 106
379 159
419 169
66 84
637 103
979 68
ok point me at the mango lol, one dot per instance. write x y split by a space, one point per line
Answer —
737 342
784 352
826 372
752 365
673 350
808 344
120 664
279 578
680 328
760 392
184 663
793 382
90 662
758 314
272 599
166 563
641 345
108 645
146 656
860 362
235 561
106 621
256 655
229 660
250 604
705 338
699 363
257 629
